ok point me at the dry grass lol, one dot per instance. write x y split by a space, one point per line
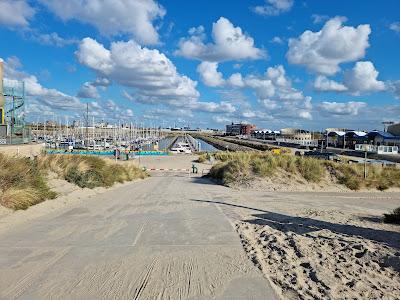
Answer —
236 167
23 182
89 171
203 157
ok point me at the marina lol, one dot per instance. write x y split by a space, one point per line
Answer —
106 140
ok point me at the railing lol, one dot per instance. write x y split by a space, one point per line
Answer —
192 142
107 153
297 142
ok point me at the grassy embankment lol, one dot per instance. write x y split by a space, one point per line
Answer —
23 182
242 167
251 144
223 144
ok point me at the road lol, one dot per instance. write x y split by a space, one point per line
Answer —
146 240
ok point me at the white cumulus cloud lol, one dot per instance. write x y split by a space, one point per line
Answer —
323 84
395 26
362 79
113 17
236 80
337 108
277 40
52 39
15 13
213 107
273 7
319 18
274 91
394 87
89 91
221 119
325 50
150 72
46 96
209 74
43 101
152 76
229 43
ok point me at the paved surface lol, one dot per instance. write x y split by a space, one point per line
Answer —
147 240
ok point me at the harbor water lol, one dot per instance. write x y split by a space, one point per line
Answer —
205 147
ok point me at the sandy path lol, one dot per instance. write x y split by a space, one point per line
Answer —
319 245
146 240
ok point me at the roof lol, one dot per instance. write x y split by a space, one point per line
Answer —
357 133
339 133
383 134
347 133
263 131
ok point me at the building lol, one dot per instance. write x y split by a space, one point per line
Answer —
265 134
388 150
239 129
298 138
394 129
380 142
344 138
382 138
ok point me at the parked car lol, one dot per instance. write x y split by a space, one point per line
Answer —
323 155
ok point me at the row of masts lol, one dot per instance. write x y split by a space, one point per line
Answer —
121 134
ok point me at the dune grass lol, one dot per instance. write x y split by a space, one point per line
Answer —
89 171
203 157
23 182
237 167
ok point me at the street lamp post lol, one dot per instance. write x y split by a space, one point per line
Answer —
365 162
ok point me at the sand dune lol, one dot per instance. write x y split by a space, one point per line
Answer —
320 245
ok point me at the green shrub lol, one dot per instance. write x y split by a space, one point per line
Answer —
393 217
382 186
88 179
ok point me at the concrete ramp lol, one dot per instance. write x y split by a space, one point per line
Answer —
148 240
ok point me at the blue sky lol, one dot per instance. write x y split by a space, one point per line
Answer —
274 63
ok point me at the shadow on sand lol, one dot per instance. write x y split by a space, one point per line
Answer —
301 225
204 180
